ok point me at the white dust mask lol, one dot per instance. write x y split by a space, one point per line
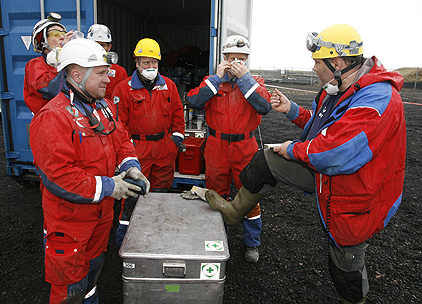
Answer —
149 73
331 89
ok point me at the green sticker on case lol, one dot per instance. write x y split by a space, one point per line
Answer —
172 288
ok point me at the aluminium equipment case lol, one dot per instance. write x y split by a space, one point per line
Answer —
174 251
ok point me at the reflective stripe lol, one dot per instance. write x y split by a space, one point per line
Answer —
252 218
249 93
91 292
125 160
98 189
124 222
209 84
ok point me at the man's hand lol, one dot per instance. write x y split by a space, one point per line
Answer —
280 102
282 149
222 68
238 69
123 189
135 174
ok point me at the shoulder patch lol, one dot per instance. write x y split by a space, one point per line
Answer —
116 99
73 111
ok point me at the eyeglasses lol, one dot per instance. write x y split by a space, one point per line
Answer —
56 33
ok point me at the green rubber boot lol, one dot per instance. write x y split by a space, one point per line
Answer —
234 211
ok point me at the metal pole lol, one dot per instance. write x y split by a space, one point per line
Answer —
42 9
78 14
416 79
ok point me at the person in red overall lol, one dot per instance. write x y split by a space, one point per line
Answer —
116 73
234 102
351 154
77 144
41 81
151 111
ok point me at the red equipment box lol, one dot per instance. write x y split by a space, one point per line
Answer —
192 161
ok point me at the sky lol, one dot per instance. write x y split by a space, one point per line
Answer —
390 30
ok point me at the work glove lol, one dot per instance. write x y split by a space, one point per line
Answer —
135 174
178 140
195 193
123 189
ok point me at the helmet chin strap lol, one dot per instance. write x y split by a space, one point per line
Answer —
337 74
81 85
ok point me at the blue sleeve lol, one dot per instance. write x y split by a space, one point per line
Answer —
54 86
293 112
205 92
126 165
248 85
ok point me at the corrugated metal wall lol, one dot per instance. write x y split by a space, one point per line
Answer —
128 26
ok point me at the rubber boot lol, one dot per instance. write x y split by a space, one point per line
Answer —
234 211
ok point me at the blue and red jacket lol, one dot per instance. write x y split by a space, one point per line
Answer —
358 155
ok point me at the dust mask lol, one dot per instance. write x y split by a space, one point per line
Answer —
331 89
149 73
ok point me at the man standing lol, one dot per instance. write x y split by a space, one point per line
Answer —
344 154
77 144
102 35
152 113
42 82
234 102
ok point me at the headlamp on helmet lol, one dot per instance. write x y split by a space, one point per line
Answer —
111 57
236 44
337 40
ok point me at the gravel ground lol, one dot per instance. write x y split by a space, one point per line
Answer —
293 262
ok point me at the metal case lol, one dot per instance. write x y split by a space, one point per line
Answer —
175 251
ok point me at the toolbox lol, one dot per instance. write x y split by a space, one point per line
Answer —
192 160
175 251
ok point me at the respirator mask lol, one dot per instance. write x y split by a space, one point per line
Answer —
331 89
149 73
238 61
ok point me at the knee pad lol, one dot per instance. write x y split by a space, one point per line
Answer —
349 285
257 173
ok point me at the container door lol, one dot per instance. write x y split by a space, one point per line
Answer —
17 21
228 17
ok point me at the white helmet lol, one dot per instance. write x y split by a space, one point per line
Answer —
237 44
99 33
84 52
39 33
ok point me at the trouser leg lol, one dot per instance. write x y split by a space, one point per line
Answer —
268 169
348 271
252 231
84 291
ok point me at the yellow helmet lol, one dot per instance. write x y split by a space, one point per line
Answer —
147 48
336 40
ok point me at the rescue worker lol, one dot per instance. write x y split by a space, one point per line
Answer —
41 81
234 102
152 113
344 154
116 73
77 144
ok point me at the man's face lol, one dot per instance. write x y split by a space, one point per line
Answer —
97 81
236 56
106 46
323 72
144 63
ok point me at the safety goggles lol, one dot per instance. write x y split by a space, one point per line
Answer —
313 44
56 33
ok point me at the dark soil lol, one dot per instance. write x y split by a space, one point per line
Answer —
293 262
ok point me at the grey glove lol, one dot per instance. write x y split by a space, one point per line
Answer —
195 193
135 174
123 189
